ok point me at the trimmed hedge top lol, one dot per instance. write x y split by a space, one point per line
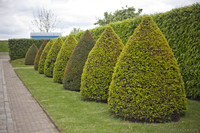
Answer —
51 57
74 68
30 55
44 56
63 57
98 69
146 84
124 29
38 55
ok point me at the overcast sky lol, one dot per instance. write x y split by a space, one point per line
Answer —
16 15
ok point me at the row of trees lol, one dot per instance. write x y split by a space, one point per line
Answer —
141 81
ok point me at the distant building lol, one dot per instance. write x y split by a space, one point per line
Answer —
44 35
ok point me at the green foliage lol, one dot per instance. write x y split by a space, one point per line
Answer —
44 56
181 28
146 84
19 47
19 63
98 69
74 67
63 57
124 29
121 28
119 15
30 55
3 46
38 55
51 57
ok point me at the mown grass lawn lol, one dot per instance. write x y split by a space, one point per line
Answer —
19 63
3 46
73 115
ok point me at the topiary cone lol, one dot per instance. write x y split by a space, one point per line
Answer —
44 56
63 57
51 57
147 85
30 55
74 67
38 55
99 67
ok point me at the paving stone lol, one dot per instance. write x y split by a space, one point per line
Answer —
19 111
3 117
3 127
3 131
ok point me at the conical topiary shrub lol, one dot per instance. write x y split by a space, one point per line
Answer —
99 67
74 67
30 55
44 56
146 84
38 55
51 57
63 57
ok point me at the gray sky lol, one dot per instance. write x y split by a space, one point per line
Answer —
16 15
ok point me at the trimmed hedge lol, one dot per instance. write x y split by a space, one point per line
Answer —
51 57
19 47
74 67
181 28
98 69
30 55
44 56
38 55
147 85
124 29
63 57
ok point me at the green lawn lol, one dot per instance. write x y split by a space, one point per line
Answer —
19 63
3 46
73 115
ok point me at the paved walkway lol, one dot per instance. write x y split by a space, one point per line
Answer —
19 111
3 53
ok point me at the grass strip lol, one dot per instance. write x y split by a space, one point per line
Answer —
73 115
19 63
4 46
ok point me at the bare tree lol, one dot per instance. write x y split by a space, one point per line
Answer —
44 20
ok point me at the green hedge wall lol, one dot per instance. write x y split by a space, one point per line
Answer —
124 29
19 47
181 28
